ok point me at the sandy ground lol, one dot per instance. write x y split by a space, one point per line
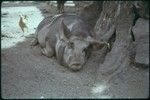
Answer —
26 73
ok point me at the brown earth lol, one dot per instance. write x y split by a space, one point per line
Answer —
26 73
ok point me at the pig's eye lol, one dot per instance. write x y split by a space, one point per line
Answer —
71 45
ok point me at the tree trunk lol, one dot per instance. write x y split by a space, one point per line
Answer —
116 19
89 10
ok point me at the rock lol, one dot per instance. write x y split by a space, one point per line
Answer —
142 8
6 13
141 33
142 54
4 35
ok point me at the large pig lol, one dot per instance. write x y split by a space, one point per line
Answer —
67 37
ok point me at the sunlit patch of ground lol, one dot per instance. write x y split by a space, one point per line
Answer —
10 27
99 88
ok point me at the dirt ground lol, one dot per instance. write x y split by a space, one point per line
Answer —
26 73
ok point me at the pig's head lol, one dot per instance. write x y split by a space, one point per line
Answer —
75 50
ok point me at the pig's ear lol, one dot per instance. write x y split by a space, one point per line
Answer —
96 44
64 31
93 43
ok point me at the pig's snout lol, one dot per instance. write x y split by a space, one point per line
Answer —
75 67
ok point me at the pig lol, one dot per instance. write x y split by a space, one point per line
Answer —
67 37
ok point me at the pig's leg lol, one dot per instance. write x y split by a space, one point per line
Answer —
48 50
34 42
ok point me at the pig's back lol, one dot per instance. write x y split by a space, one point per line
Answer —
75 24
49 27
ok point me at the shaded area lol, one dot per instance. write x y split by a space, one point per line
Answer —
28 74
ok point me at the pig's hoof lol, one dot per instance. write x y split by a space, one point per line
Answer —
34 42
48 54
44 51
